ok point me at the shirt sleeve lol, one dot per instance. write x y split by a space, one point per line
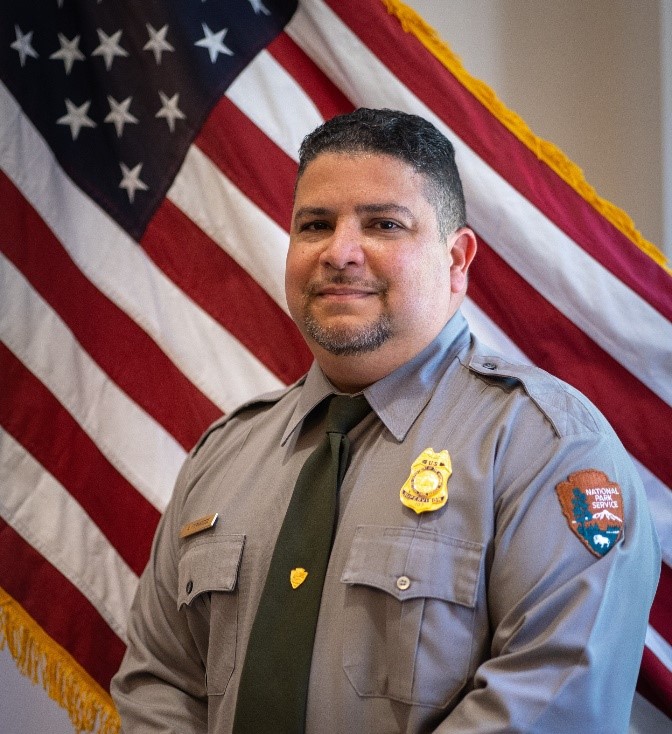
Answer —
160 686
568 626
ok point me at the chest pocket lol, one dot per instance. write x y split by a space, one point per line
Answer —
207 593
409 614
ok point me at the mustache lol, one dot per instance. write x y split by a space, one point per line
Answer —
314 287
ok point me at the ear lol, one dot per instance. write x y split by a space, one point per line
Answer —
462 250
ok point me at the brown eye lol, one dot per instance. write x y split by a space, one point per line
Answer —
387 225
313 227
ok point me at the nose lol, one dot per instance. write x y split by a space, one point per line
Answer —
343 248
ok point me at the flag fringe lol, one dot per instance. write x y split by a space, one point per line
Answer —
545 151
44 661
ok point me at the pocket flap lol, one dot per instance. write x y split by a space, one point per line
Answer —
411 563
209 565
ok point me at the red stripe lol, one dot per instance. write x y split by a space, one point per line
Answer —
251 160
660 618
641 419
418 69
655 682
326 96
58 443
54 603
222 288
123 350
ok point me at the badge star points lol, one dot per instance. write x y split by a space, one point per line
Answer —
76 117
109 47
170 110
214 42
24 45
68 53
157 42
131 180
119 114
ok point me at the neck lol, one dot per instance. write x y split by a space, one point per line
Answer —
353 373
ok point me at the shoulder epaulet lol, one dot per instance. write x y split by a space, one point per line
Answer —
565 407
267 399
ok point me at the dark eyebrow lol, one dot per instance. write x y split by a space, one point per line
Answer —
385 208
312 211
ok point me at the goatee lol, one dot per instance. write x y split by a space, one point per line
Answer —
347 341
344 341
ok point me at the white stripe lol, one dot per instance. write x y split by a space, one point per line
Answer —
337 51
488 331
47 517
659 497
659 646
131 440
210 357
274 101
231 220
615 317
600 304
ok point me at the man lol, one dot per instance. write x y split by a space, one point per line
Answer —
493 560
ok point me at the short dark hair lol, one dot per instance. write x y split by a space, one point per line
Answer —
409 138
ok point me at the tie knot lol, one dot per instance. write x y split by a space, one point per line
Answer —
345 412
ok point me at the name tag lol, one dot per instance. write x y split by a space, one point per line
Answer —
198 526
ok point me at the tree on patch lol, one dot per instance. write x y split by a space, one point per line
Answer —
580 509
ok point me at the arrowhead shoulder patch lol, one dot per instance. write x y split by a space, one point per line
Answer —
593 507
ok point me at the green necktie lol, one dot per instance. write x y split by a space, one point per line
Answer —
274 682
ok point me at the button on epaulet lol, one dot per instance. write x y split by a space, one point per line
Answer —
483 363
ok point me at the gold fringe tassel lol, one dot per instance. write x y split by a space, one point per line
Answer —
44 661
550 154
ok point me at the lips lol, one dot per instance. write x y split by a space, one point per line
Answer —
345 288
341 292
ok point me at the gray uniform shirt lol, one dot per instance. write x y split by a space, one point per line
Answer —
486 615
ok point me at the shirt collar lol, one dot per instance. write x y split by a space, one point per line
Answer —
397 398
315 388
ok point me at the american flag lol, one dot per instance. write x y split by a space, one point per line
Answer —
147 151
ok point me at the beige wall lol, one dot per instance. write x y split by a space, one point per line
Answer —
587 75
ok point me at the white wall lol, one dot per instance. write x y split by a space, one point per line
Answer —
25 708
666 84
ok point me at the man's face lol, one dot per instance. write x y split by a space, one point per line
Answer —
367 270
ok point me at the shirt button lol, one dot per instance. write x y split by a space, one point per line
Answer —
403 582
190 586
490 365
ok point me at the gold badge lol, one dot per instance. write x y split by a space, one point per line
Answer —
297 576
426 488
